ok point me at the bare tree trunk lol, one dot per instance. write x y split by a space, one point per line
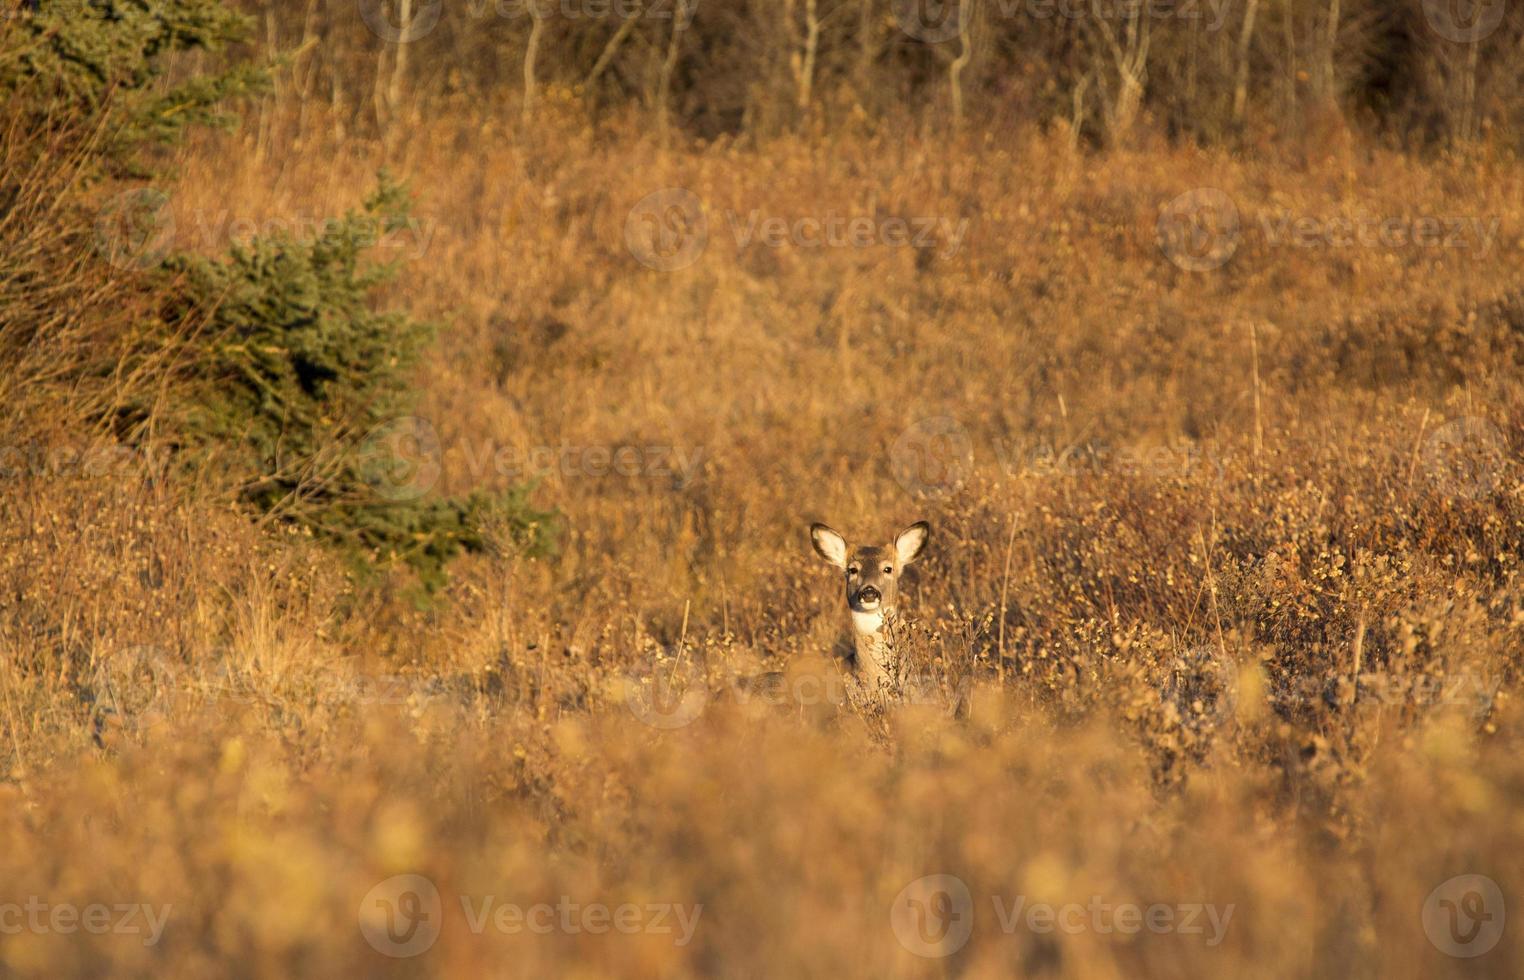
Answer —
1241 80
309 44
531 54
681 10
612 48
867 48
268 106
378 87
1192 64
1077 115
1468 127
399 64
1129 54
967 9
336 83
1131 99
1288 22
1326 83
802 59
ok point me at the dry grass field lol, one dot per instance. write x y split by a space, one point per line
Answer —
1219 633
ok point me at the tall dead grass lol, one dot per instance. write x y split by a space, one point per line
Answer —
1226 562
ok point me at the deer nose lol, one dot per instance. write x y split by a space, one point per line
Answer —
869 594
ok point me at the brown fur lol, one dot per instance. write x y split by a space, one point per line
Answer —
872 574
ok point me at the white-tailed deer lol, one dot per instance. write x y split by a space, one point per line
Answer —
873 575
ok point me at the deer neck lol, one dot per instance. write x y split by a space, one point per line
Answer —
871 636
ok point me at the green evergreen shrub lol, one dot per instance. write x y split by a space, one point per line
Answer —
107 58
301 389
272 364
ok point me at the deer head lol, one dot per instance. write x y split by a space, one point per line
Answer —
872 571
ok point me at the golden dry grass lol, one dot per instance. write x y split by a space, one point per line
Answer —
1231 586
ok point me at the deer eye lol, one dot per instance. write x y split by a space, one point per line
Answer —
888 569
852 569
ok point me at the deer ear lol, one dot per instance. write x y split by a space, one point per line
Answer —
910 542
829 545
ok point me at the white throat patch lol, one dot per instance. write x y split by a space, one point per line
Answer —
868 622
